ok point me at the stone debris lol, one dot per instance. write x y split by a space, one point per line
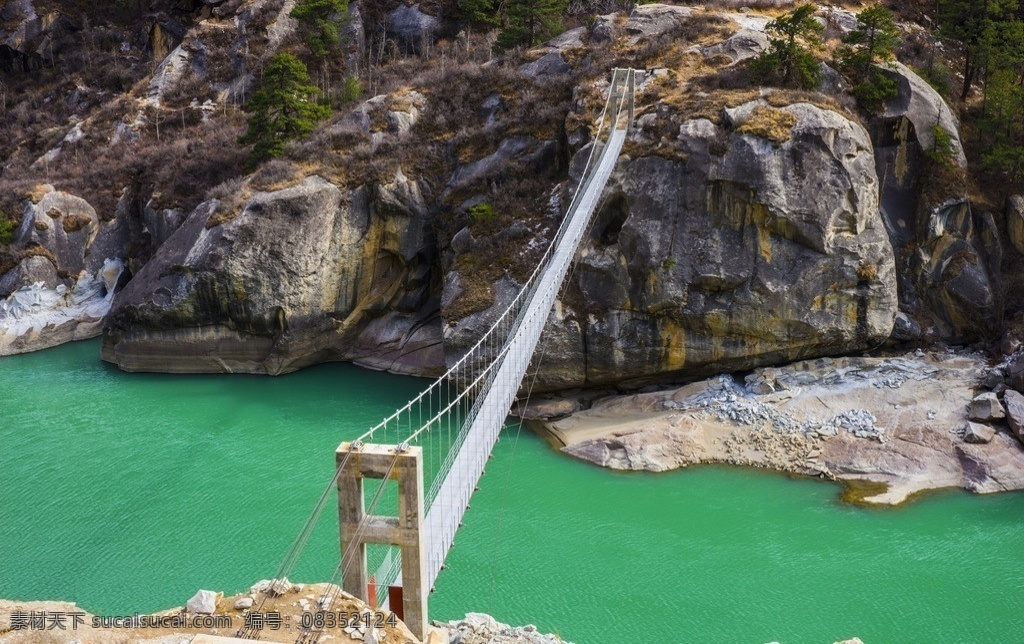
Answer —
271 586
978 433
243 603
987 408
728 402
479 628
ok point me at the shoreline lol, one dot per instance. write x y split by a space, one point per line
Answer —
888 428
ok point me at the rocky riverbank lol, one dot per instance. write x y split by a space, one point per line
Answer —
65 622
889 427
206 613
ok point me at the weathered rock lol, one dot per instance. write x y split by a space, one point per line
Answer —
709 265
1015 372
978 433
547 66
547 409
716 249
905 329
955 276
63 224
35 269
986 408
299 276
243 602
1015 412
650 21
520 148
919 103
411 28
744 44
204 602
1015 222
949 256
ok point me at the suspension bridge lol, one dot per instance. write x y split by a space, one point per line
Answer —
435 448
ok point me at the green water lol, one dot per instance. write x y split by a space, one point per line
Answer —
128 492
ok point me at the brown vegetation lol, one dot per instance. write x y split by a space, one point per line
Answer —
769 123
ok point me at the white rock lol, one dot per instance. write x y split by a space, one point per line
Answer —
243 603
204 601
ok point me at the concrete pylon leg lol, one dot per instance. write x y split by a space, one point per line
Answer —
356 528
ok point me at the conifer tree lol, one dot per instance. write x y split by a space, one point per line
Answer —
282 109
793 38
870 44
975 23
529 22
318 23
480 13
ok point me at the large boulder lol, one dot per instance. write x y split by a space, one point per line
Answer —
301 275
750 252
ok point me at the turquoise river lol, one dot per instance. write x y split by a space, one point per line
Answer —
127 492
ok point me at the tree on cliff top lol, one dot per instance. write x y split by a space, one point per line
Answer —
282 109
792 38
870 44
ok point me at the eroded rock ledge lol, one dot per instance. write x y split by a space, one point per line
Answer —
892 427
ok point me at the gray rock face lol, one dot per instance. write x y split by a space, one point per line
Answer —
411 28
747 254
918 102
1015 222
1015 412
303 275
987 408
949 256
977 433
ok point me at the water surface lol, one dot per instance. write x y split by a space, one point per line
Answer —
127 492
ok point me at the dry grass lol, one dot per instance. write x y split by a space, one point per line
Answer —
769 123
75 222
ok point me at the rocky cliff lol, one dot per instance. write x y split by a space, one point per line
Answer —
743 226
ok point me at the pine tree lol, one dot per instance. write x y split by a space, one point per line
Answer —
282 109
529 22
871 43
480 13
793 38
318 23
975 24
